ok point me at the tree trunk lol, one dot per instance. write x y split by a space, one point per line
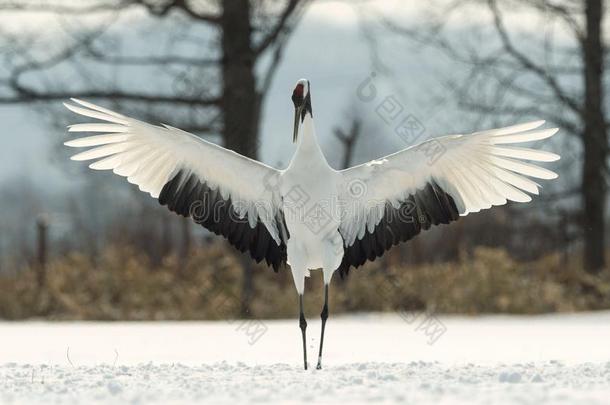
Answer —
240 102
595 141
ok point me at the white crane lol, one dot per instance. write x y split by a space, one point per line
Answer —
309 215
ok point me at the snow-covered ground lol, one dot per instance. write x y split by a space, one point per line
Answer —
412 358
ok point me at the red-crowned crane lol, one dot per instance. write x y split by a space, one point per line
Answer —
309 215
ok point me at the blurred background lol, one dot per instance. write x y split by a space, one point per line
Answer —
77 244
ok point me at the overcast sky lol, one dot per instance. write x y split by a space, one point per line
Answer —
329 49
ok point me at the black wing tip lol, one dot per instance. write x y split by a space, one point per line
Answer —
188 196
422 209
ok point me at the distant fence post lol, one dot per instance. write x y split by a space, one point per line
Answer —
42 227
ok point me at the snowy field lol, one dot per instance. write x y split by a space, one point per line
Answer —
382 358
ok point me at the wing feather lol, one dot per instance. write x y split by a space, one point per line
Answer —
462 173
178 168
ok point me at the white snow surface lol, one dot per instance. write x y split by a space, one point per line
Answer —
384 358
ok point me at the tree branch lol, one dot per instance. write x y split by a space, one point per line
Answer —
58 8
528 64
161 10
282 25
349 139
99 56
155 8
529 110
559 10
27 96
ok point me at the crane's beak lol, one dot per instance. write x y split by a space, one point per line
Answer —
297 117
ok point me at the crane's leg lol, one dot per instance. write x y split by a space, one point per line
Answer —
324 316
303 326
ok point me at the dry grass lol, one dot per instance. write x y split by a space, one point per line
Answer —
123 285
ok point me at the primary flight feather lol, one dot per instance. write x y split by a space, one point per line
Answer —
309 215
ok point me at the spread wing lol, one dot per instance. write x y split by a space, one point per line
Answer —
392 199
229 194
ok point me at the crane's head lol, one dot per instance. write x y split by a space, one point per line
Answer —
301 98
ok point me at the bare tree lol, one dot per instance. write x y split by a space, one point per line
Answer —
349 140
212 61
550 76
211 88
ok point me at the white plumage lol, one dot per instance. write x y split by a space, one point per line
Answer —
310 215
473 169
148 156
